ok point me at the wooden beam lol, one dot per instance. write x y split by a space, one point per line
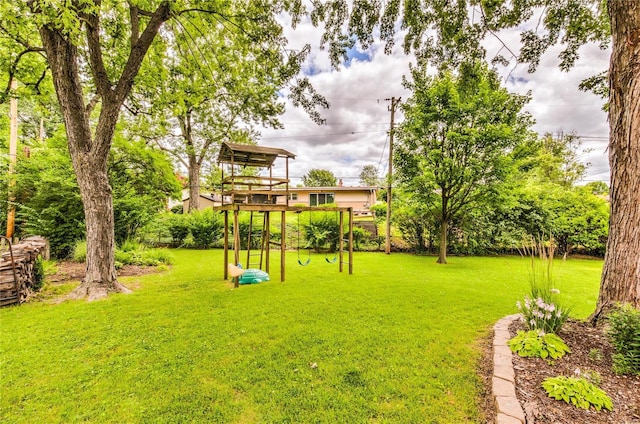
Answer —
226 244
283 243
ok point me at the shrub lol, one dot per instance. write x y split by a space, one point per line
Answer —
38 274
624 333
322 229
538 344
133 253
178 226
360 235
205 227
79 253
578 392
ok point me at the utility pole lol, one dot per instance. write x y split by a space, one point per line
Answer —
392 108
13 155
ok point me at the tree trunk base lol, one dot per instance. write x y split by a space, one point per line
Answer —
95 290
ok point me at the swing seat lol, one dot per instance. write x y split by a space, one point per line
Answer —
331 261
304 263
235 271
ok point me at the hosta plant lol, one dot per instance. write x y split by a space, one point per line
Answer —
577 391
538 344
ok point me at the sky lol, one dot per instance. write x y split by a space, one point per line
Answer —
357 122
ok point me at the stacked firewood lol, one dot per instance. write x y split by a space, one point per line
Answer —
17 278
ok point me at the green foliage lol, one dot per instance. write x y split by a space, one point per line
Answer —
48 199
131 253
379 211
369 176
538 344
38 274
624 333
179 226
540 315
578 392
596 355
79 253
142 180
360 235
319 178
205 226
322 229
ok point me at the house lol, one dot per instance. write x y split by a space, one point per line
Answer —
358 198
206 201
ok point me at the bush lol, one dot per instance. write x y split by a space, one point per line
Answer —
320 230
178 226
360 235
538 344
79 253
38 274
624 333
130 253
205 227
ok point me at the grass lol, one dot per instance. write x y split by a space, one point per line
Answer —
397 341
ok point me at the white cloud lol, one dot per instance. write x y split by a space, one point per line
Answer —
357 122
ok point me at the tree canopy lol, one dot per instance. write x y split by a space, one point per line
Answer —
319 178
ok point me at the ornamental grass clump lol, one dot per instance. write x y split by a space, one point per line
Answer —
541 309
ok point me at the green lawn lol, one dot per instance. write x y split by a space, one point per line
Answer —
395 342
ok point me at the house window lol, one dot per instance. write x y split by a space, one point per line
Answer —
317 199
293 196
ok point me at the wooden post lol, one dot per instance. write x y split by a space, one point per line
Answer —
226 244
249 240
341 243
236 244
350 240
267 239
283 243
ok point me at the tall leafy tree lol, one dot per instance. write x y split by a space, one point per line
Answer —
212 91
455 138
94 50
369 176
319 178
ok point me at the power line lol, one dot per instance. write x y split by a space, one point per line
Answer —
320 135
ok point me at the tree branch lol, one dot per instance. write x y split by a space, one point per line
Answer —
139 50
96 62
135 23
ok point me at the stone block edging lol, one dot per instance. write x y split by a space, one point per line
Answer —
508 409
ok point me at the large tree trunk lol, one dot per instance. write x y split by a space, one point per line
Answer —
100 278
621 274
194 184
442 256
89 154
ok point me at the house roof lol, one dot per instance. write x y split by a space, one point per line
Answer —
248 155
335 188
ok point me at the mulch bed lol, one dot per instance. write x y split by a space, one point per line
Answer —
74 271
590 351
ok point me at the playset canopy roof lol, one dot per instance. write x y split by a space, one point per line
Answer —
248 155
